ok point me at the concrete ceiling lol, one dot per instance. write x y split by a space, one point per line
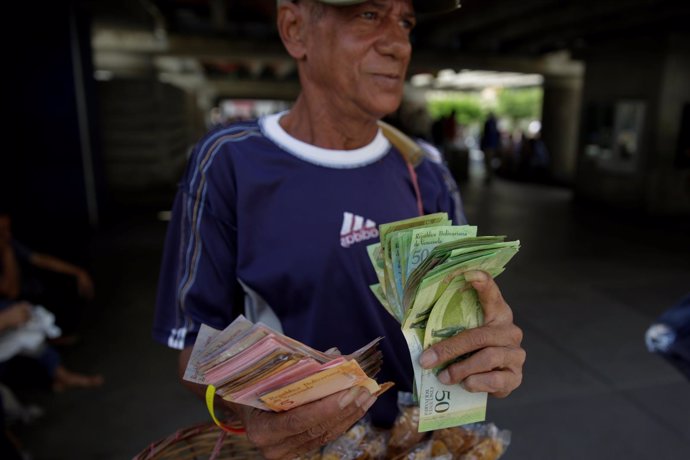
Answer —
237 38
496 27
535 27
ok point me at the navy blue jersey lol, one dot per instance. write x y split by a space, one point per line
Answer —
269 226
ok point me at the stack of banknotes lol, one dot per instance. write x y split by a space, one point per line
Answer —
420 264
254 365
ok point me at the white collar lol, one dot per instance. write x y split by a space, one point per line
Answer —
342 159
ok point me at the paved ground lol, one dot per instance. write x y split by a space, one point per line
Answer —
584 287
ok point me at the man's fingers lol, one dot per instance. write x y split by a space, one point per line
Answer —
496 366
273 428
495 307
486 360
471 340
341 427
301 419
497 383
323 432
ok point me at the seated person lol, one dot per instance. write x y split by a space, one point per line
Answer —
61 287
43 363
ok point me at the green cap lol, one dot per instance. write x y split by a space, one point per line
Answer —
420 6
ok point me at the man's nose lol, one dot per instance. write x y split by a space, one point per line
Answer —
395 40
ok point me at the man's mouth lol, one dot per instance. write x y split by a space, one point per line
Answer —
391 76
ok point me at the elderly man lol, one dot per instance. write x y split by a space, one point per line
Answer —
273 218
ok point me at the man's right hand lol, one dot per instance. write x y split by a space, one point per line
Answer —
304 428
297 431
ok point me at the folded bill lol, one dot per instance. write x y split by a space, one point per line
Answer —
335 378
254 365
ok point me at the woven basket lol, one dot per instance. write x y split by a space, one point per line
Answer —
200 442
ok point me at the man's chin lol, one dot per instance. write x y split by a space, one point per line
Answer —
386 107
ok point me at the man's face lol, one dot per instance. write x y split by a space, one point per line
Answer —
357 56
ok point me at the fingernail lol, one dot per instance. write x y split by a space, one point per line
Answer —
363 398
475 275
348 397
370 402
444 377
428 358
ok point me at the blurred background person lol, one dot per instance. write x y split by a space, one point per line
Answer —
43 279
490 142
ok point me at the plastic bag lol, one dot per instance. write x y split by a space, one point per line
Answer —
492 442
347 445
477 441
454 441
404 434
421 451
374 446
363 441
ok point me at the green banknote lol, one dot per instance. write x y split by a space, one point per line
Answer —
424 240
420 264
428 281
396 242
376 257
457 309
491 260
386 231
378 292
438 261
445 406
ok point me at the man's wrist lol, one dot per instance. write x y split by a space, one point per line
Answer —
231 411
229 421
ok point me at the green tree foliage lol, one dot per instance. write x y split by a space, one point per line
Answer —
468 107
515 104
520 103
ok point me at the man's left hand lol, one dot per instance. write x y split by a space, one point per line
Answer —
496 364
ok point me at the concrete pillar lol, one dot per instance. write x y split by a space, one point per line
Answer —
668 184
560 124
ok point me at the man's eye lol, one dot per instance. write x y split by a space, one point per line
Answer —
369 15
407 24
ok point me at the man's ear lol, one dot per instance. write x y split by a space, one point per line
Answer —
292 28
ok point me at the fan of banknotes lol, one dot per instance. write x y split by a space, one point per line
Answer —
420 264
254 365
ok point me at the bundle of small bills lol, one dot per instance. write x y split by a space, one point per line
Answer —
420 264
254 365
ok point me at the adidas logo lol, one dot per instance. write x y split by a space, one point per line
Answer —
355 229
